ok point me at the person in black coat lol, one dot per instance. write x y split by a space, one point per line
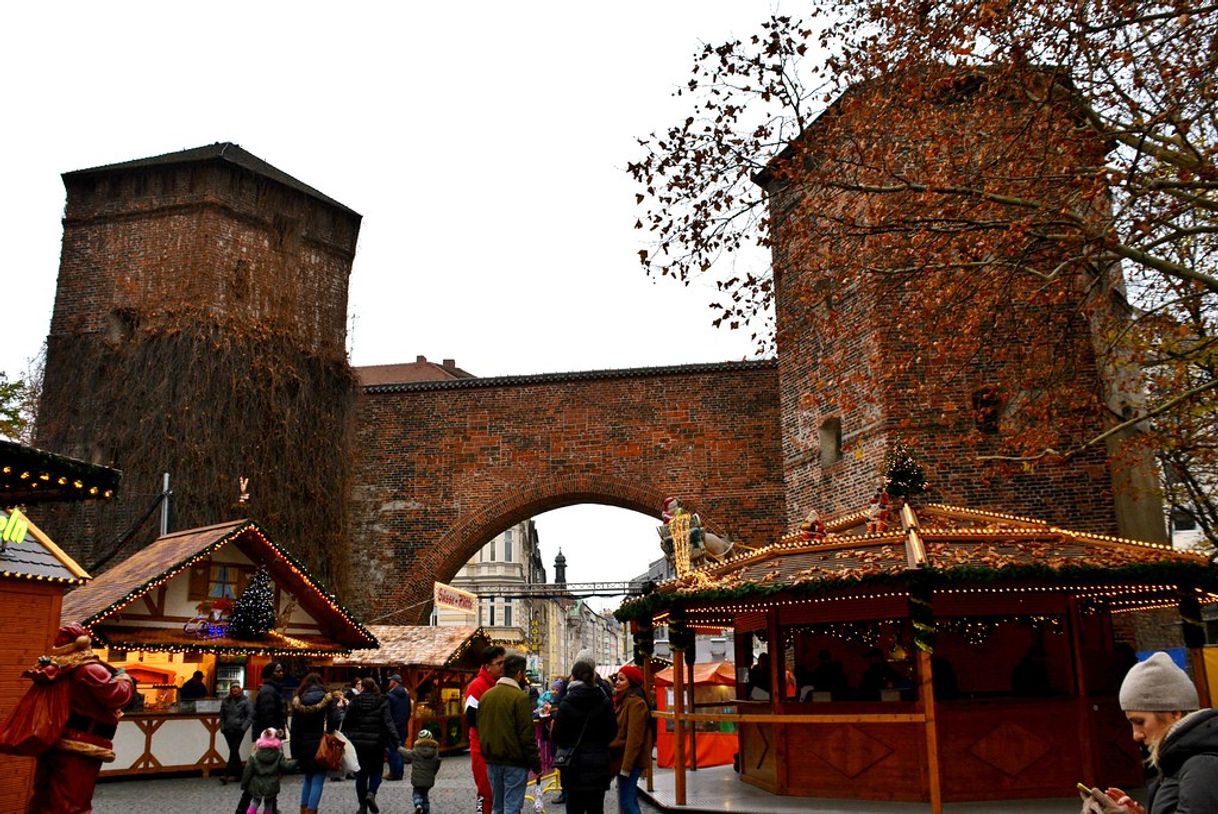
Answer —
270 712
369 727
585 722
314 711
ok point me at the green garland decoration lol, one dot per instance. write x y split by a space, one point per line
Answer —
1202 575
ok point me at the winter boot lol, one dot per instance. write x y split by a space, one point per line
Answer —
372 806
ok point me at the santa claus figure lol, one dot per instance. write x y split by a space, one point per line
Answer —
813 528
877 513
67 773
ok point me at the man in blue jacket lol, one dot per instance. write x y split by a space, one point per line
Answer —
399 711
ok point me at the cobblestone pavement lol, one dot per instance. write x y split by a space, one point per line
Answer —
453 794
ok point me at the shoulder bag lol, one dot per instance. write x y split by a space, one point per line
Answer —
564 756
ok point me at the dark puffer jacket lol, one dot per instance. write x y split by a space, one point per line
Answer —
270 710
313 712
367 723
424 760
1188 766
588 704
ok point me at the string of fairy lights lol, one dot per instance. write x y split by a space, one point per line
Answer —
289 645
33 480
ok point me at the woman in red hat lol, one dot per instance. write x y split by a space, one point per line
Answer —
632 746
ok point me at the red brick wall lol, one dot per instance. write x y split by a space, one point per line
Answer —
211 237
29 617
857 359
260 271
446 466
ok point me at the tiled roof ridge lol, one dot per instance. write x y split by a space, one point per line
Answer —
578 375
204 529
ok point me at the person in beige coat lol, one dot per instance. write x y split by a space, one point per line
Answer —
631 748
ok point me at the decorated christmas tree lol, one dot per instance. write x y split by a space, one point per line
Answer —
904 477
254 612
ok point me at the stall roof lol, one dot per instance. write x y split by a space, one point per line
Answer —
952 543
715 672
419 645
29 475
172 554
35 557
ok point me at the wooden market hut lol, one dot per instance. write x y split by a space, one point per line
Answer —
435 664
34 573
162 615
977 654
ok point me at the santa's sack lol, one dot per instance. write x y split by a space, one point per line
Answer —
37 722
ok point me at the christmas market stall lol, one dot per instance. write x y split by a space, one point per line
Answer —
715 742
34 573
939 654
222 601
435 664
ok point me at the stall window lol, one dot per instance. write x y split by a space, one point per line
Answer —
213 580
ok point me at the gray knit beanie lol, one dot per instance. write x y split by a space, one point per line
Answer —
586 657
1158 685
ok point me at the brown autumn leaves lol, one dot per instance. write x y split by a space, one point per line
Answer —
1018 197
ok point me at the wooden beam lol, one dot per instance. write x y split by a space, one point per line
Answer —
678 704
1082 707
926 690
649 687
793 718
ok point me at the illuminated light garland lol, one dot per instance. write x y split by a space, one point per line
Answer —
247 526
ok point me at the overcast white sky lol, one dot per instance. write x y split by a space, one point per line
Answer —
484 144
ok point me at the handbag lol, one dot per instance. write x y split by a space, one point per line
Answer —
330 751
564 756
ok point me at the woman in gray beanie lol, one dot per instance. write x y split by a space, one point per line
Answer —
1160 703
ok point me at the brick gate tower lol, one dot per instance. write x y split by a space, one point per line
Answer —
199 329
865 362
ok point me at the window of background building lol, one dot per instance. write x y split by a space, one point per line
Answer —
507 614
830 441
492 549
507 546
1183 520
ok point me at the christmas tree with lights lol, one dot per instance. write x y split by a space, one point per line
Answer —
904 477
254 612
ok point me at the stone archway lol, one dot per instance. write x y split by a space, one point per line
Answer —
446 465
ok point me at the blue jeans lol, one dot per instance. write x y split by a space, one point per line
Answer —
396 763
628 793
310 792
419 799
507 787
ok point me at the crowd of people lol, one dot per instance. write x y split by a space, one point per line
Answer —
591 729
372 722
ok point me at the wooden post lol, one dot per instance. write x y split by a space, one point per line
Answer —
926 692
693 738
1194 639
678 709
1086 736
649 687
